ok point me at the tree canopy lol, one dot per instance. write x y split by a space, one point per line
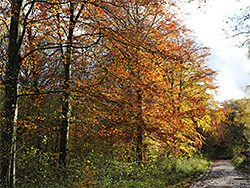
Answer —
117 78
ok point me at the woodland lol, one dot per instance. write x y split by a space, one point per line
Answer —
104 93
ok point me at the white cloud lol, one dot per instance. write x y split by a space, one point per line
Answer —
230 61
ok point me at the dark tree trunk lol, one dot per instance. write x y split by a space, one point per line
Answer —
8 134
66 108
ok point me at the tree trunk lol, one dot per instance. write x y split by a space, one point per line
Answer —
140 128
8 135
66 108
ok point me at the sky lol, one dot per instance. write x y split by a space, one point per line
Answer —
230 61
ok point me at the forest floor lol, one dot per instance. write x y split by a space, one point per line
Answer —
222 174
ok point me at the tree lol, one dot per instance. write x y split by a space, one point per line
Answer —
238 25
128 75
172 80
8 134
239 119
230 136
16 18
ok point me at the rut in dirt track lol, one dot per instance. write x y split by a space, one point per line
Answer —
222 174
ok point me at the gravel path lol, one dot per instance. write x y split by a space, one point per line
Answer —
222 174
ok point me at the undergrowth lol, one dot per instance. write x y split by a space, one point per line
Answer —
242 163
158 172
99 171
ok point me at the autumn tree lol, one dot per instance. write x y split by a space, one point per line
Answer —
118 26
169 70
113 74
15 39
239 119
230 136
17 19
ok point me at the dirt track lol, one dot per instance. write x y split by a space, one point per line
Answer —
222 174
